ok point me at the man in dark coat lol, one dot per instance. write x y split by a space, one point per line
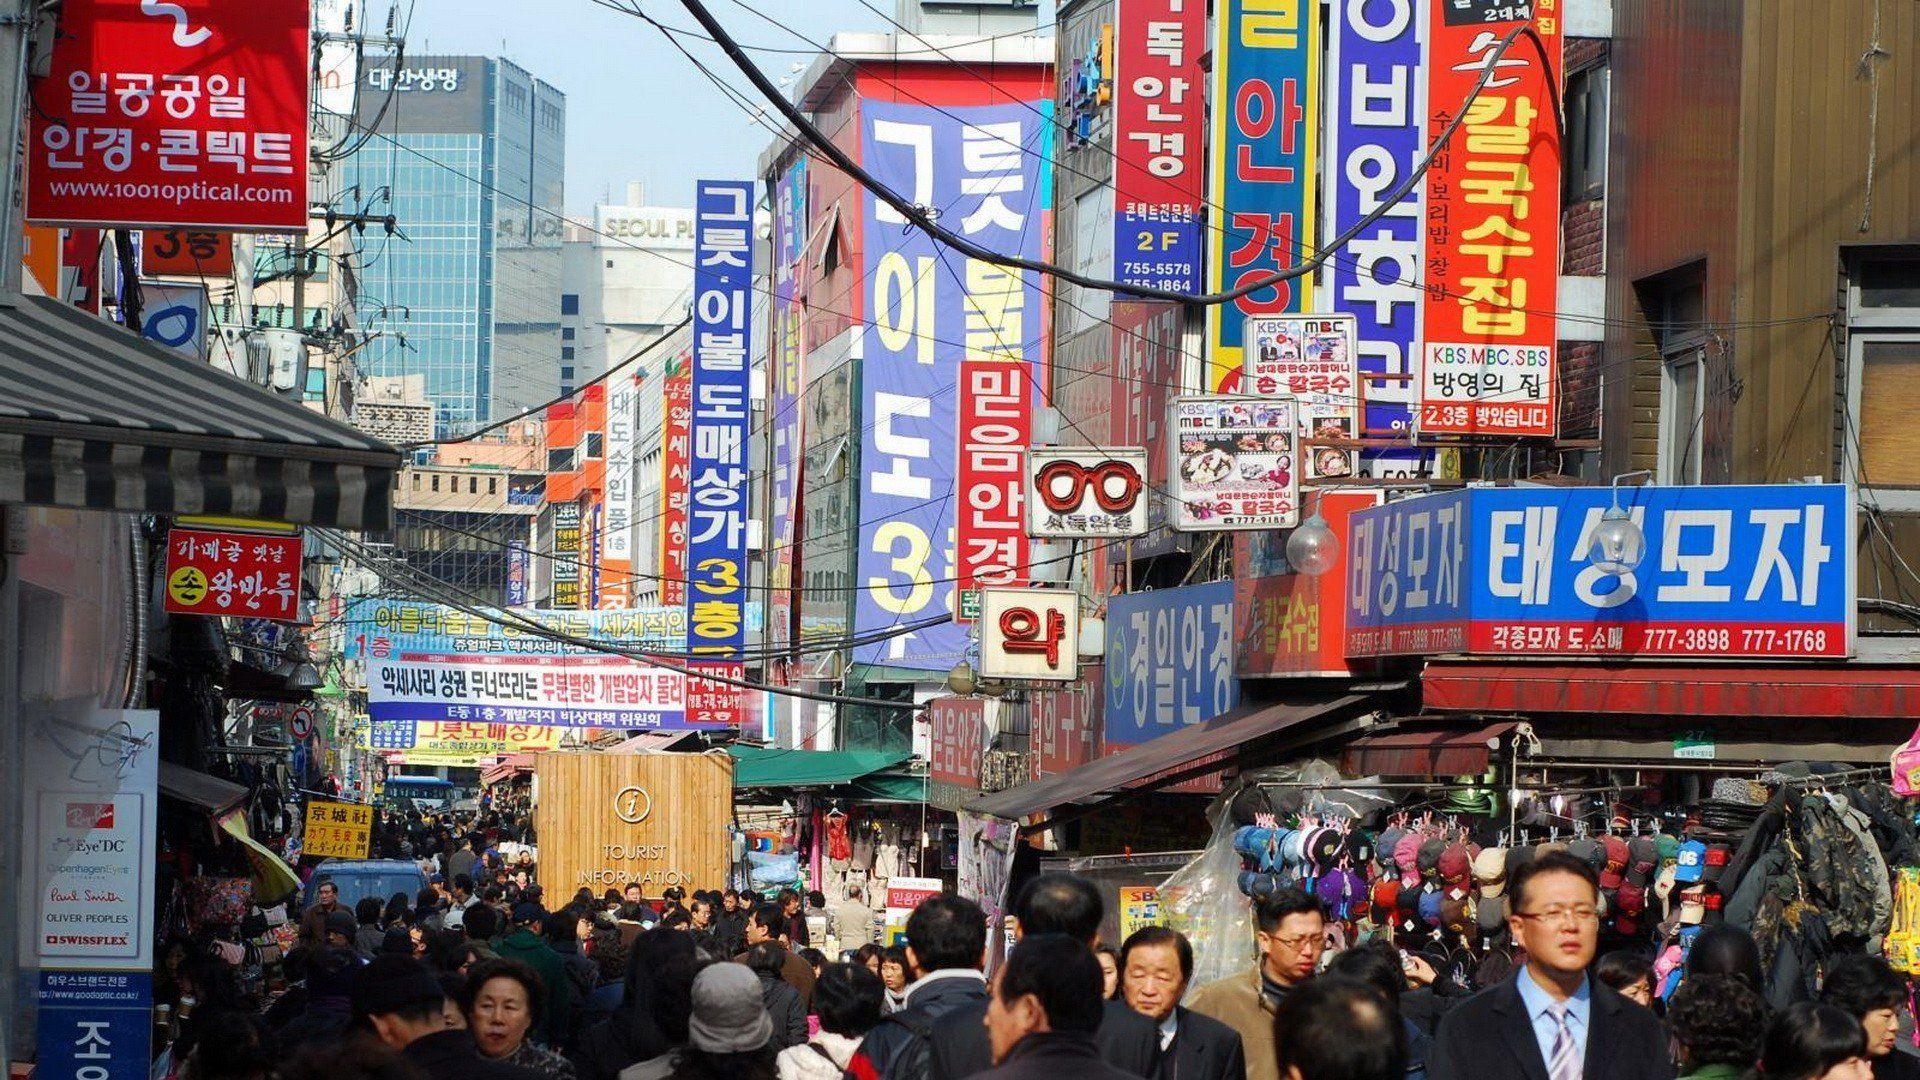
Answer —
947 949
1552 1019
1044 1011
401 1000
1156 964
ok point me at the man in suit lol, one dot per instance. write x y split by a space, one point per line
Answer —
1056 903
1156 964
1552 1021
1291 933
1044 1009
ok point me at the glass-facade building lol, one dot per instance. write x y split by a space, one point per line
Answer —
469 158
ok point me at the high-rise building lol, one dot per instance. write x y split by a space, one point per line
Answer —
467 152
623 283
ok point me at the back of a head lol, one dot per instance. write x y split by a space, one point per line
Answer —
849 999
390 985
947 931
1340 1027
481 923
670 997
1806 1040
347 1059
1376 963
1061 973
1726 950
1718 1020
1060 903
1860 984
767 958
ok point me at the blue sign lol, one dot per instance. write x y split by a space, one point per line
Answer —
981 166
1757 571
409 629
95 1025
516 574
717 477
1169 661
1375 135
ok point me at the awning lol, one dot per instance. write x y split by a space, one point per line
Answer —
1451 751
889 787
209 793
1787 690
511 765
272 877
649 742
762 766
1164 754
93 417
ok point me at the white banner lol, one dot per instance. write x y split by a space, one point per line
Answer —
616 537
562 691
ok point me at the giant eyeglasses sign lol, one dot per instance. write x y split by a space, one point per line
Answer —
1029 634
1086 494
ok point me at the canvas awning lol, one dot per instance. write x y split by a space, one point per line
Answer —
762 766
1165 754
1425 751
209 793
93 417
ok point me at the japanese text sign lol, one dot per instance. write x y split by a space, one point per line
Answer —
1376 131
717 479
1311 359
1169 661
244 575
1234 463
1086 494
956 731
1492 225
1288 623
1760 571
1159 139
336 829
154 114
1029 634
1266 57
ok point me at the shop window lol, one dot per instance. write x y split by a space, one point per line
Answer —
1881 443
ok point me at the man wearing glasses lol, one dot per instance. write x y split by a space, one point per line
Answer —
1291 934
1551 1020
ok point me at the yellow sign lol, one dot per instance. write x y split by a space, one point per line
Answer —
467 740
187 586
342 830
1139 908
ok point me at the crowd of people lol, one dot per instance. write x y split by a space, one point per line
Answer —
720 986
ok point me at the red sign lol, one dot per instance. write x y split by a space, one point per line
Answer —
957 736
715 703
1061 725
676 441
1493 228
186 252
996 423
169 114
1291 624
1159 141
245 575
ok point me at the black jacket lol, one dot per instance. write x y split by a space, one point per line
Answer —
1054 1056
1126 1040
451 1055
1203 1049
1489 1037
901 1047
789 1015
625 1038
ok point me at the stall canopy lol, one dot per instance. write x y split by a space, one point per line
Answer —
1451 751
760 766
1221 734
209 793
93 417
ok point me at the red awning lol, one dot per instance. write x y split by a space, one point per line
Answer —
1653 688
511 765
1445 752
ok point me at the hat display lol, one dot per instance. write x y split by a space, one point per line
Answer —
1429 858
1455 865
1643 857
729 1016
1613 872
1588 850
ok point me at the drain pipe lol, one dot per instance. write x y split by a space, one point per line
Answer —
136 622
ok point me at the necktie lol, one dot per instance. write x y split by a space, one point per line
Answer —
1564 1062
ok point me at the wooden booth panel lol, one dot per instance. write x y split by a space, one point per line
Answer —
606 821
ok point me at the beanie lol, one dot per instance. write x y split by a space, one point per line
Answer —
729 1016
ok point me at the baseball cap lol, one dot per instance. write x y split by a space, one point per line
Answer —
1617 855
1690 861
1490 871
1455 865
1429 859
1588 850
1491 914
1643 857
1715 862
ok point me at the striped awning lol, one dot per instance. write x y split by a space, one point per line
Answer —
93 417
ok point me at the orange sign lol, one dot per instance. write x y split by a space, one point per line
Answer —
186 252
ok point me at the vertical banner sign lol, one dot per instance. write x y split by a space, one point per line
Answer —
786 416
616 537
1266 60
566 555
1493 224
974 163
516 574
675 457
157 114
1375 137
1159 142
717 503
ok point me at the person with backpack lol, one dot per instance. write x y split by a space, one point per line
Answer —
947 946
846 997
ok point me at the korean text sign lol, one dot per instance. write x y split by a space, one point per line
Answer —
1749 571
159 114
616 538
717 492
1235 463
556 691
1029 633
1292 624
95 1025
566 555
1169 661
1159 137
957 737
244 575
1311 359
1492 225
1266 57
338 829
676 447
922 298
785 415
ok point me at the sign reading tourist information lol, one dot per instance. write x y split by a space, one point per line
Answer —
1080 494
238 574
1234 463
1761 571
1159 142
1493 223
1310 358
168 114
1030 634
338 829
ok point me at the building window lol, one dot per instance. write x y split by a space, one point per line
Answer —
473 485
566 374
566 352
594 439
560 461
1678 310
566 333
609 264
493 485
566 389
1881 443
1588 91
569 303
436 481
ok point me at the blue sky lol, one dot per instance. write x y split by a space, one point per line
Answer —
636 109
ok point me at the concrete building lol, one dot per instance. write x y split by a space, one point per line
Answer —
623 283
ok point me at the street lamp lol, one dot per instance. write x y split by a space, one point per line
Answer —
1617 544
1312 549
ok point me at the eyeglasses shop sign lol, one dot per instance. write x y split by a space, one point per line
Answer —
1752 571
1086 494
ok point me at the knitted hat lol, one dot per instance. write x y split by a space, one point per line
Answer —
390 984
729 1016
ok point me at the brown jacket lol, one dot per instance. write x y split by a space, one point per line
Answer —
1236 1001
313 925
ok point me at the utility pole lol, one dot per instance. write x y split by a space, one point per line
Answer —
17 24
